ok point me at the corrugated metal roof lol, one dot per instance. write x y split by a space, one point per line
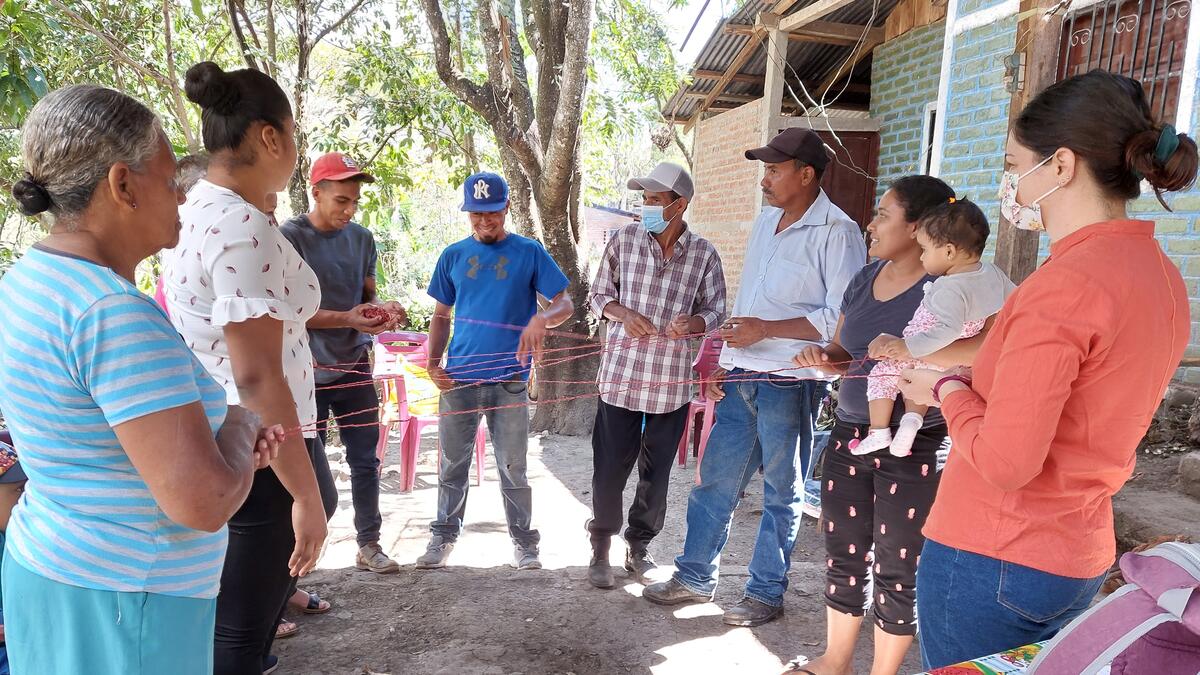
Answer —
809 61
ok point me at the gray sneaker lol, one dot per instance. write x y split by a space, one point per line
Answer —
526 558
673 593
372 559
435 554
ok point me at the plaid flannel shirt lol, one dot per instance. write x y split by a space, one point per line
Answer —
634 274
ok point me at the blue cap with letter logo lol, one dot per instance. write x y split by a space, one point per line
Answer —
485 192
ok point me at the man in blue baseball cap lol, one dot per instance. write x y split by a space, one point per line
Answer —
493 283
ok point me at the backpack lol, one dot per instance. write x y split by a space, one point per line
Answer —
1149 625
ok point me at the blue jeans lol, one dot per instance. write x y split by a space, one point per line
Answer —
767 424
509 429
970 605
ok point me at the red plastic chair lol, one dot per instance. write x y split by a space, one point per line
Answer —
706 362
391 350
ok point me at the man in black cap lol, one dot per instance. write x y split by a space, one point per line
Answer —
802 253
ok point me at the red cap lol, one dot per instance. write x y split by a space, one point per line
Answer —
336 166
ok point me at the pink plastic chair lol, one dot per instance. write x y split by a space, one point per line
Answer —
160 296
703 366
390 350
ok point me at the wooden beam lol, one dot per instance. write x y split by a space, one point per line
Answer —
852 88
811 13
844 34
716 75
735 65
1038 33
844 70
733 98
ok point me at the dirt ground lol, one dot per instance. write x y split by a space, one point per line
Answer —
482 616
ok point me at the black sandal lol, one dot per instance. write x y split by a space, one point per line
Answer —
795 666
316 605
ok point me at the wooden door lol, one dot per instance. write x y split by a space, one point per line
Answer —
849 179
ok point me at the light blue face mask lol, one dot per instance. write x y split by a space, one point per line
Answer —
652 218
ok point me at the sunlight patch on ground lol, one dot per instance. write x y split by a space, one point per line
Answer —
738 651
485 542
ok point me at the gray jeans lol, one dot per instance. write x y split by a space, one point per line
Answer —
509 430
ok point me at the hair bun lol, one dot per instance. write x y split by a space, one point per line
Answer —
211 88
32 196
1165 159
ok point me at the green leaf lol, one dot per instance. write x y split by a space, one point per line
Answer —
36 81
198 8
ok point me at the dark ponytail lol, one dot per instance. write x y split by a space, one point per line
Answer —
230 102
1105 119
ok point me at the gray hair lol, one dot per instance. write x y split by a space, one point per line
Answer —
72 138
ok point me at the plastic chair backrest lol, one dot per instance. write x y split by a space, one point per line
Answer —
160 296
392 347
707 359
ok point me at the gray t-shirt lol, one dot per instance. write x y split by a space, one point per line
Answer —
955 300
342 260
863 319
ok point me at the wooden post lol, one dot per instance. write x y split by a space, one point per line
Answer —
773 83
776 44
1037 41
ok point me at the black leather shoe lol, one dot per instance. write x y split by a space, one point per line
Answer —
751 612
600 573
639 564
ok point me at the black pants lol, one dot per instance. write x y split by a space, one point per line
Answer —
618 441
356 392
872 510
255 583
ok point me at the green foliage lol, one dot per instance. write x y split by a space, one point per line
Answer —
373 92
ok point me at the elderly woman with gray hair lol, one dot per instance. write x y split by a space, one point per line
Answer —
135 462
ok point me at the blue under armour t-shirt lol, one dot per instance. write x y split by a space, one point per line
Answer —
493 289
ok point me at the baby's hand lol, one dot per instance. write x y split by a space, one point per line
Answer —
882 346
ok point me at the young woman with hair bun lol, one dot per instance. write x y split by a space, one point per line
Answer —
1046 428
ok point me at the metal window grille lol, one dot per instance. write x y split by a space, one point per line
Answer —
1142 39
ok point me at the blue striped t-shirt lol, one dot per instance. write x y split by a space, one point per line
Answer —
83 351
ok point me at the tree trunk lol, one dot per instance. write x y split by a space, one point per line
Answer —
298 186
520 195
574 417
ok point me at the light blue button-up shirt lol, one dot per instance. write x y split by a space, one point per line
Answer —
802 271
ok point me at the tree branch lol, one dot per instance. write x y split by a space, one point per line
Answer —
465 90
334 26
555 180
241 6
176 96
112 45
236 24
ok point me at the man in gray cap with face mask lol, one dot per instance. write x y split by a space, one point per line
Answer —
802 253
657 285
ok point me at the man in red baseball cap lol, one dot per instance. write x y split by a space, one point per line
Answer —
343 255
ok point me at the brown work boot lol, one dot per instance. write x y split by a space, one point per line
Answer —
372 559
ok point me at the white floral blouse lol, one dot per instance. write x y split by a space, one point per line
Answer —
233 264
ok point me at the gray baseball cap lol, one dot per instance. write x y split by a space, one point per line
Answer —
666 177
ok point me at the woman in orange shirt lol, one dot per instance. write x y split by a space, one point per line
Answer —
1064 387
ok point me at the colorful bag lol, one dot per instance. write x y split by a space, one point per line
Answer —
1149 625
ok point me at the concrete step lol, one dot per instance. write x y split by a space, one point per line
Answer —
1141 515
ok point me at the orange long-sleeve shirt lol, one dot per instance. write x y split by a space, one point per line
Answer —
1065 386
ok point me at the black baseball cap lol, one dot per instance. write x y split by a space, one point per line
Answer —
802 144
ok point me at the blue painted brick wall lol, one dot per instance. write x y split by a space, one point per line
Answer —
904 76
977 114
976 127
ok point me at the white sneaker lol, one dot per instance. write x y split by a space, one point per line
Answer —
902 444
526 558
877 439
